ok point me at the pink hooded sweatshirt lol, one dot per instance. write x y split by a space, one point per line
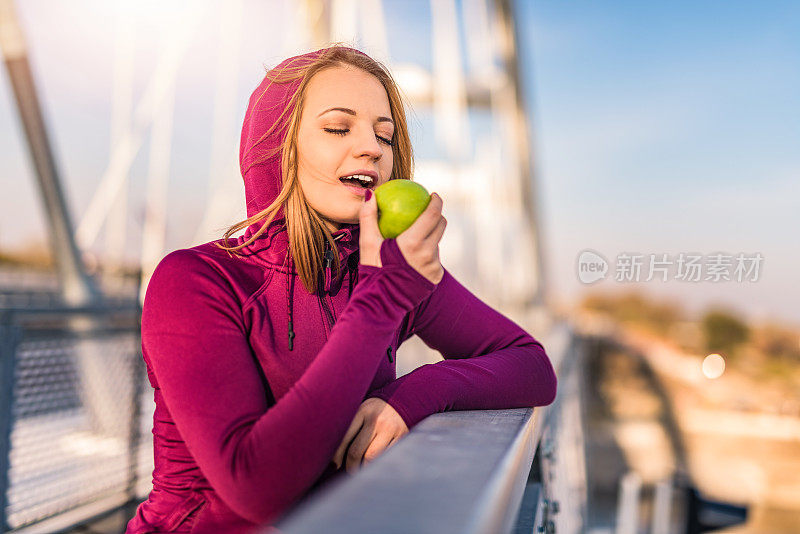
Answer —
256 380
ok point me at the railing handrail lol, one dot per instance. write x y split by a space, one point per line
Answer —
460 471
455 472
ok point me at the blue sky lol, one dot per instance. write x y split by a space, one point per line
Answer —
667 128
658 128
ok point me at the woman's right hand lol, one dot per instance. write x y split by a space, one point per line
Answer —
419 243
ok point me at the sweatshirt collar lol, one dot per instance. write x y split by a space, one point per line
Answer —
270 248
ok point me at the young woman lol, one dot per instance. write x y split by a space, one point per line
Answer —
270 375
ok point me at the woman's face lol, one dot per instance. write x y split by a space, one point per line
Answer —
345 129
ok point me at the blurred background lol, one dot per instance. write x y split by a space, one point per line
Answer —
629 168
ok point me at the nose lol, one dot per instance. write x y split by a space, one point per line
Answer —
367 145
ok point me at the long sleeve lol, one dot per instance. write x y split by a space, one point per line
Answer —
260 458
490 361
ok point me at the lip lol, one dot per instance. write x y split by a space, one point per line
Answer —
357 190
365 172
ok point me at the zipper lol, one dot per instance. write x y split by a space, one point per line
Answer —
328 314
324 297
329 269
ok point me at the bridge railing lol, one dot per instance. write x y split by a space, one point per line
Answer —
459 472
71 445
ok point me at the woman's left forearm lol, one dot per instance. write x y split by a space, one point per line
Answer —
514 377
490 361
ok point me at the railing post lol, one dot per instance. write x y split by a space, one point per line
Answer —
628 505
662 507
9 338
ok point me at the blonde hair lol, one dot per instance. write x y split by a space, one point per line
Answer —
307 231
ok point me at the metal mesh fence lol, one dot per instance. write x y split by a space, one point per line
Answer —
79 413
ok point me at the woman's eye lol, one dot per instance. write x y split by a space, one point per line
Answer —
344 131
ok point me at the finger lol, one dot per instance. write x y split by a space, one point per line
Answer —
430 217
355 453
368 220
355 426
427 220
376 447
437 233
393 440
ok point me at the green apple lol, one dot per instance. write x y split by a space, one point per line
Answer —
400 202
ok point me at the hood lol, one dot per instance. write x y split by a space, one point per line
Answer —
269 109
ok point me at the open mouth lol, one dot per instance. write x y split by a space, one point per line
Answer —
360 180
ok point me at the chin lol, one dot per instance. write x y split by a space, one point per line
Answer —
351 215
344 219
351 220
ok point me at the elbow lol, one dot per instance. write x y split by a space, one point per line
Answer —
550 390
256 504
265 516
247 502
547 381
254 489
261 488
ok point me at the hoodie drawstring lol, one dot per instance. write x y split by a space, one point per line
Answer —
290 294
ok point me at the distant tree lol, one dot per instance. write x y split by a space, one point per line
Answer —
724 332
778 342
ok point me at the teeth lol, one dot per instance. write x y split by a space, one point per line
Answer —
361 177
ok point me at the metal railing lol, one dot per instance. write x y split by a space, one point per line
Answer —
455 472
71 440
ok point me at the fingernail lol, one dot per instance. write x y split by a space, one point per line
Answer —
367 195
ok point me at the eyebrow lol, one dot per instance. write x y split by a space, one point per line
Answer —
351 112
